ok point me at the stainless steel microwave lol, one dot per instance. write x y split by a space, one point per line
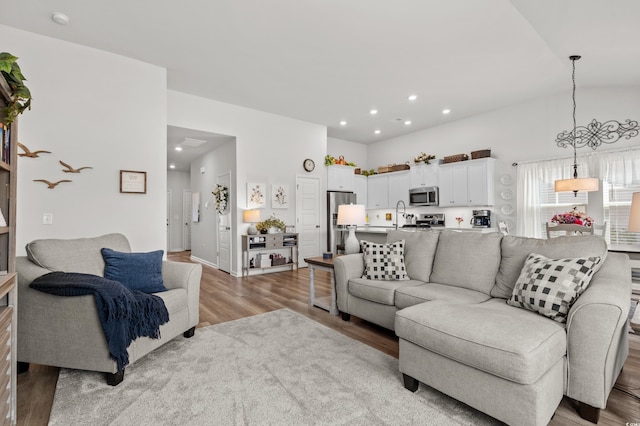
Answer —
423 196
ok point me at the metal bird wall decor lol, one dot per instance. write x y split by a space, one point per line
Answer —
28 153
71 169
51 185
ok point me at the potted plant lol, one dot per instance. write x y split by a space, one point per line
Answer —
21 95
271 225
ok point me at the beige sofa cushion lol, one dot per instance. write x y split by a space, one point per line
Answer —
467 259
409 296
379 291
496 338
419 250
75 255
516 249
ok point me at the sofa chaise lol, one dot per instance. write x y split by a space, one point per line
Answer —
458 334
66 331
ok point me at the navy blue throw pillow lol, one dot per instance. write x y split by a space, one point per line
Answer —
136 271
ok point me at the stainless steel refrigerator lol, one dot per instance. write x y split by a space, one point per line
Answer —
337 234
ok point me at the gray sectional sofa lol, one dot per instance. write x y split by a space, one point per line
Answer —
458 334
66 331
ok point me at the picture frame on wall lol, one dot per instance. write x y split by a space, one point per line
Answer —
279 196
256 195
133 182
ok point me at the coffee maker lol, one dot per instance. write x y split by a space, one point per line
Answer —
481 219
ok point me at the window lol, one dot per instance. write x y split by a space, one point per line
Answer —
617 206
619 172
552 203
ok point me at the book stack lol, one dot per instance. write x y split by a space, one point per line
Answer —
263 260
5 141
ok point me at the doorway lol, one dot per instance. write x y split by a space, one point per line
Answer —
308 217
187 207
224 227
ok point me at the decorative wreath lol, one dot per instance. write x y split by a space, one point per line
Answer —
221 197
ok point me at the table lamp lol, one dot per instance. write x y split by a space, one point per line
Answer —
252 217
351 215
634 216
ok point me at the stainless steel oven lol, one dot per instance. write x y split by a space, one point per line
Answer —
423 196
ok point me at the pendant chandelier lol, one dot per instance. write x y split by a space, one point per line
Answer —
574 184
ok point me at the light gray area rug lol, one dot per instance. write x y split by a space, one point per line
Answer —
278 368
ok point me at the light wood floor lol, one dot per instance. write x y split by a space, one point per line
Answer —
225 298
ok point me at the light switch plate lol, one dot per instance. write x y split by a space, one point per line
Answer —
47 218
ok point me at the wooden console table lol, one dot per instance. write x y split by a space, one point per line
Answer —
324 265
269 243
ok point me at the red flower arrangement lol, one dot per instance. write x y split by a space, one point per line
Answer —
573 216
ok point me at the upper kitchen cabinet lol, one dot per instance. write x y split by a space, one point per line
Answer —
341 178
386 189
378 191
361 189
480 184
423 175
399 184
468 183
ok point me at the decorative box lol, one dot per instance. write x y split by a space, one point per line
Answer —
455 158
483 153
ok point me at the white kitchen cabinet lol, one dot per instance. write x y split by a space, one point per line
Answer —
480 181
341 178
399 184
361 189
378 191
452 182
468 183
423 175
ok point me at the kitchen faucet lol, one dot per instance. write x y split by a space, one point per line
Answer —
404 208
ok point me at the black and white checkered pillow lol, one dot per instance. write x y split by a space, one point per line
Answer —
550 286
384 261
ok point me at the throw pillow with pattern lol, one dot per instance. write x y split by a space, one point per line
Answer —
550 286
384 261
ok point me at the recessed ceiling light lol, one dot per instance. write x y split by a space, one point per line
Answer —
172 166
408 122
373 112
446 111
377 132
343 123
413 97
60 18
178 148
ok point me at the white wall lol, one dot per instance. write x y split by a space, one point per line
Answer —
90 108
204 237
352 151
518 133
177 183
269 149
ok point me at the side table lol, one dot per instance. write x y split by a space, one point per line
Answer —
323 265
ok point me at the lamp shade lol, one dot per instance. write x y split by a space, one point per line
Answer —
351 214
577 184
251 216
634 216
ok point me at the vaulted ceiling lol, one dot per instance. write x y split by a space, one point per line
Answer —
332 60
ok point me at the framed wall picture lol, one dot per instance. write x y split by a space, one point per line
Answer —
133 182
279 196
256 195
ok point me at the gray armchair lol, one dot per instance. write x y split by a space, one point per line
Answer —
66 331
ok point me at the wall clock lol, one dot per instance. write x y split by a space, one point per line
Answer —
309 165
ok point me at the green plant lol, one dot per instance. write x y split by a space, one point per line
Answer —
272 222
21 95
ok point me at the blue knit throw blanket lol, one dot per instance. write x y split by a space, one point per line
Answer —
125 314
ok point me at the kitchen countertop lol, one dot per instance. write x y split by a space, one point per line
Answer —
368 229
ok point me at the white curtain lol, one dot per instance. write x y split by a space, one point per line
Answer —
620 167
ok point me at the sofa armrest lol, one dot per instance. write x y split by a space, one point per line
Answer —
346 267
187 276
68 327
597 336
